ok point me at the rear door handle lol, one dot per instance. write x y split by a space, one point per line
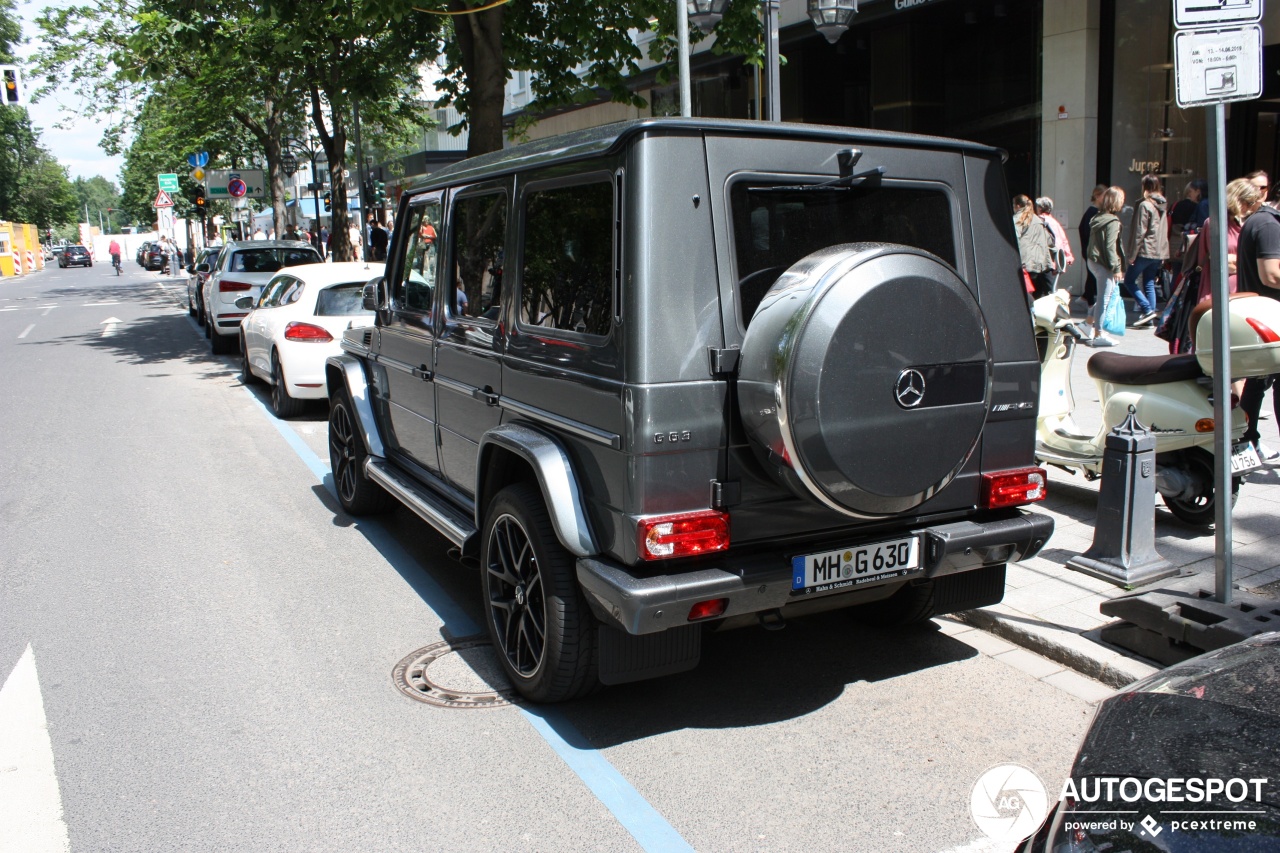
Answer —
423 372
485 395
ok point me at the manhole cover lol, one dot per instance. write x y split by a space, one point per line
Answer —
462 674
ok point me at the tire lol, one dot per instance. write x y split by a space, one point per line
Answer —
219 344
247 376
282 404
910 605
1201 508
356 492
847 391
200 318
540 626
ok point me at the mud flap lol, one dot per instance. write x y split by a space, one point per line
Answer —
624 657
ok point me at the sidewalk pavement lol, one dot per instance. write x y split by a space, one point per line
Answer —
1053 610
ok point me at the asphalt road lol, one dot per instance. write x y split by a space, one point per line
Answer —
214 643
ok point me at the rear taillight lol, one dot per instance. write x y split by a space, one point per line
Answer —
1264 331
687 534
225 286
306 332
709 609
1013 488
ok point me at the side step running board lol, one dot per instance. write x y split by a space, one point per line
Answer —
431 508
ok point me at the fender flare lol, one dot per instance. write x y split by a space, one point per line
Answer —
349 371
556 480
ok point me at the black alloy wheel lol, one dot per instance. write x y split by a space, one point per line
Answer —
538 622
246 373
356 492
282 403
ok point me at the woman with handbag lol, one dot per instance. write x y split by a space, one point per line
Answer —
1106 261
1033 246
1243 200
1149 251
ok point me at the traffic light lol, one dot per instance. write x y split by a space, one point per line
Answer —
328 201
200 201
379 194
13 96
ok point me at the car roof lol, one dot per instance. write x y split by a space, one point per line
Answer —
581 144
323 275
268 244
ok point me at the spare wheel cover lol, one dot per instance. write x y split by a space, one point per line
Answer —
870 364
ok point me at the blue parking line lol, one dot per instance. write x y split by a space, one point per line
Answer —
649 828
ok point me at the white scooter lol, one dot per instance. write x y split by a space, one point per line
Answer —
1171 396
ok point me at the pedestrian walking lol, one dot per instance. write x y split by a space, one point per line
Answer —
1105 260
353 234
1262 181
1258 271
1033 246
1148 250
1090 282
1063 256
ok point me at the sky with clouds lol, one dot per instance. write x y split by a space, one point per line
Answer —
76 146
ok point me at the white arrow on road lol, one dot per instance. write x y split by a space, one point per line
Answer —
109 326
30 805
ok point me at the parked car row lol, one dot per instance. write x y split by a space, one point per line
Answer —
151 256
284 306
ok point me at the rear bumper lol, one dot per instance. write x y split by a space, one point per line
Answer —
762 580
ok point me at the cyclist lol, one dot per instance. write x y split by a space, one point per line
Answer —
114 249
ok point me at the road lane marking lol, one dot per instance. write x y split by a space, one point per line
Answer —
26 331
109 326
48 309
9 309
93 304
31 817
646 825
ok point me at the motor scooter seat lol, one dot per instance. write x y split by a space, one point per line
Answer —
1143 369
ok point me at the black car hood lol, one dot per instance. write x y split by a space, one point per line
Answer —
1217 715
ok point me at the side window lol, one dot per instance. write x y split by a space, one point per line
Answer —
416 288
479 229
271 295
291 292
566 279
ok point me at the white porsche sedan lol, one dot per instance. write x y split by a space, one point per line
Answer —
296 323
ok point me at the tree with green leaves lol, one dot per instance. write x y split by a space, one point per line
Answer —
575 52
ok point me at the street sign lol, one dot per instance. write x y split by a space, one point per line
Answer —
168 182
198 161
1212 13
1218 66
162 200
221 181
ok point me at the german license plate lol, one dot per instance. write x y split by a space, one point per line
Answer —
1244 458
856 566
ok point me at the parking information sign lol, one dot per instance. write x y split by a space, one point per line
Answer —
1218 66
168 182
1212 13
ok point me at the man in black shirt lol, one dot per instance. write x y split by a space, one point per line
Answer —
1258 271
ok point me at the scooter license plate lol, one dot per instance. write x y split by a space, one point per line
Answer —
1244 458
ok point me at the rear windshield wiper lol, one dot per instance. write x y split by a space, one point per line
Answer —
846 158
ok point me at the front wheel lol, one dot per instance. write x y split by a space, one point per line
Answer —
347 454
1198 506
540 626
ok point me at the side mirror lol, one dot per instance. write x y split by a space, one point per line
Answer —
245 303
191 268
203 268
371 294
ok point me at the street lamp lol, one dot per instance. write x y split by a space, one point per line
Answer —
832 17
705 14
316 155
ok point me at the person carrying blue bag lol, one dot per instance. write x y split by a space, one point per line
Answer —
1106 262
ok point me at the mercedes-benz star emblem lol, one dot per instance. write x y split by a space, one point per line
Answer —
909 389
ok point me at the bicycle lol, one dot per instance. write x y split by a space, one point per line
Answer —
115 262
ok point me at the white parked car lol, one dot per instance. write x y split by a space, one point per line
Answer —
297 323
243 269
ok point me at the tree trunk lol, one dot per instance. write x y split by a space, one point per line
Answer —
334 142
273 146
480 43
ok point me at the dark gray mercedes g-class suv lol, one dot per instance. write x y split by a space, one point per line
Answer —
679 371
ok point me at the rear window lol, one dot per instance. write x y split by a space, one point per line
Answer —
270 260
774 226
341 300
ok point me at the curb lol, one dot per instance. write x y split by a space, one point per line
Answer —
1069 648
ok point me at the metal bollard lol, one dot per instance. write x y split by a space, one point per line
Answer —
1124 538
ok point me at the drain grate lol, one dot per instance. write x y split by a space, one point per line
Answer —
411 676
